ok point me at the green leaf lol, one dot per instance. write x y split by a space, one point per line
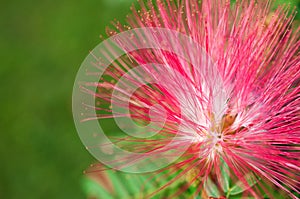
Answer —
120 184
197 197
111 184
123 185
211 188
240 196
93 189
240 187
225 173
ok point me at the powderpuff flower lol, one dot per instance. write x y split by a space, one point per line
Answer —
231 111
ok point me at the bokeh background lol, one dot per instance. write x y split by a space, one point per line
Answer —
42 44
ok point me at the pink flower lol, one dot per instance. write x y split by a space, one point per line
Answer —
238 108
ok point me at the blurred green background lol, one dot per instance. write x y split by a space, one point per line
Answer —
42 44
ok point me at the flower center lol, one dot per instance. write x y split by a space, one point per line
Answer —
217 131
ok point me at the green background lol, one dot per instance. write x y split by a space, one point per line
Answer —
42 44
